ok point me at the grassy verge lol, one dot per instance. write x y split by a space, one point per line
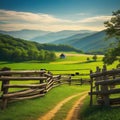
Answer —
34 108
98 112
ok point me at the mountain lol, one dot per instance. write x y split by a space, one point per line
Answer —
50 37
70 40
91 43
25 34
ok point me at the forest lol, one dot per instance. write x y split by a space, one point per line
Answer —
15 49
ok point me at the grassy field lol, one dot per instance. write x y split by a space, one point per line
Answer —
34 108
71 64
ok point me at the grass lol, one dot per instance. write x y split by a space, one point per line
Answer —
34 108
73 63
99 112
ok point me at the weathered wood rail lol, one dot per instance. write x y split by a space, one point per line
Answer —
20 85
103 84
42 82
68 79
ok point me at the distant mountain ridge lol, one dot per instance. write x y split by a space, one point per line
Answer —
90 43
85 40
25 33
71 39
50 37
43 36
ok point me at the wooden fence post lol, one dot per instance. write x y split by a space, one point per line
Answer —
4 89
69 80
91 89
81 81
104 88
97 79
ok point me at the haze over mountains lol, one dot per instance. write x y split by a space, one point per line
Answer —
52 36
25 33
43 36
87 41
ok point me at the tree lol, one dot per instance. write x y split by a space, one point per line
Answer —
113 26
88 59
113 30
94 57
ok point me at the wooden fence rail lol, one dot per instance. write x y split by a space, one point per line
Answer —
31 84
103 84
42 82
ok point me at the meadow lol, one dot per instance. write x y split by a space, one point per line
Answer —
73 63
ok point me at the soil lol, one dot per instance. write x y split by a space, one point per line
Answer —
73 113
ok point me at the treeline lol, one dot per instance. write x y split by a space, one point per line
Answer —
53 47
15 49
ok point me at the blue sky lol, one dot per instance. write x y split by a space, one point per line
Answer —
56 15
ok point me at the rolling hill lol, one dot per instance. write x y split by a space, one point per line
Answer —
15 49
50 37
91 43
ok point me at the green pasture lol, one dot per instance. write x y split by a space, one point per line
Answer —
34 108
71 64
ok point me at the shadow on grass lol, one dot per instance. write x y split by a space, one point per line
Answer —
97 112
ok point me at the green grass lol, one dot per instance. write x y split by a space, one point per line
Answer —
99 112
73 63
34 108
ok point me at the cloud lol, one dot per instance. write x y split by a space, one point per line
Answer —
13 20
95 19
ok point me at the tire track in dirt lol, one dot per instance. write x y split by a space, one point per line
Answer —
73 113
51 113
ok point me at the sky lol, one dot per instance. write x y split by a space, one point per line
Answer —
56 15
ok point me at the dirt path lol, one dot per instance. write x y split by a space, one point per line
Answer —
51 113
73 113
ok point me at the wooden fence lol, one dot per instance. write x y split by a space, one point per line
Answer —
42 82
74 79
104 84
31 84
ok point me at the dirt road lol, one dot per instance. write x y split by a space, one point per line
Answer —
71 114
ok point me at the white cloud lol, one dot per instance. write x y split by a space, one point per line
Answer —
12 20
95 19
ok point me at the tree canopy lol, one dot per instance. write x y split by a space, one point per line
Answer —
113 30
113 25
15 49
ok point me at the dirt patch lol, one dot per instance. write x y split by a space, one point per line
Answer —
51 113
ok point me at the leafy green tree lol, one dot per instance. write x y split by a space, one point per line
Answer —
113 26
113 30
94 57
88 59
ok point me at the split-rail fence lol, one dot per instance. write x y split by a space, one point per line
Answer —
33 84
20 85
105 84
